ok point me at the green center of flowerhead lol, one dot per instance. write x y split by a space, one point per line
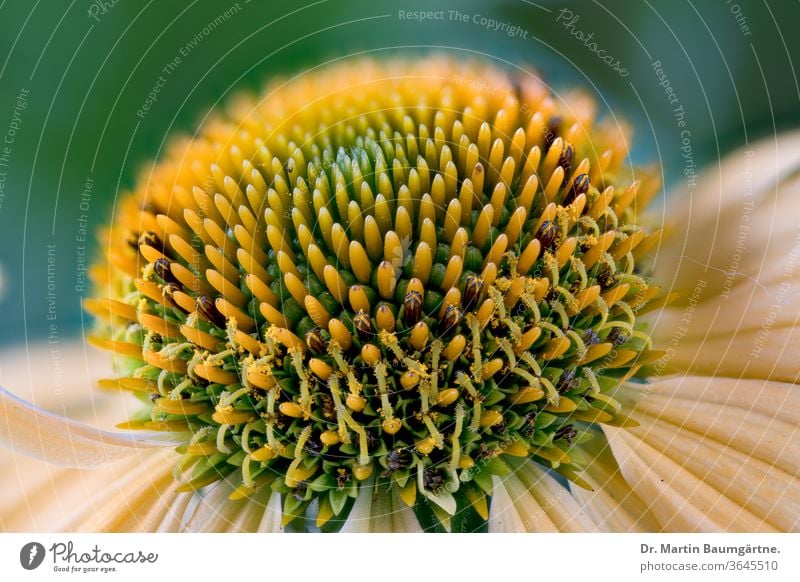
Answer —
382 277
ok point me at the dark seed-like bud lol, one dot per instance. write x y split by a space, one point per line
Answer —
315 341
150 238
312 447
450 319
206 308
299 492
529 428
363 324
617 336
433 479
342 477
168 291
590 337
567 433
547 234
473 285
579 186
551 132
566 382
163 270
412 307
606 279
398 459
566 158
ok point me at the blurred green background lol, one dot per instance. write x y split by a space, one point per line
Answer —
73 76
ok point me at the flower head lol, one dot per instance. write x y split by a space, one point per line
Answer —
386 275
411 296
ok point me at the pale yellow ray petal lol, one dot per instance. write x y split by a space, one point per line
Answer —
403 518
714 453
612 504
553 498
750 332
767 354
32 431
215 512
273 513
738 219
760 488
359 519
774 399
727 425
382 510
647 478
61 378
171 520
530 500
131 494
503 514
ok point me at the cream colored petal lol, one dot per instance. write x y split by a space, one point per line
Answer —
391 515
359 519
273 513
504 516
32 431
172 520
58 377
725 459
382 511
531 500
734 257
379 510
749 333
403 518
738 220
612 504
215 512
132 494
63 378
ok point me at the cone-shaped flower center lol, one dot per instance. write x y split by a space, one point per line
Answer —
400 275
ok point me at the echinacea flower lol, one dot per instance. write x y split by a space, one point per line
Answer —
411 296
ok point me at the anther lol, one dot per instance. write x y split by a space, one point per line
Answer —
547 234
315 341
412 307
363 325
206 308
163 270
579 186
473 285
